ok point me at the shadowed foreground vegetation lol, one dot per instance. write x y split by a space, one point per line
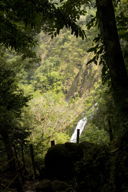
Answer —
85 167
62 61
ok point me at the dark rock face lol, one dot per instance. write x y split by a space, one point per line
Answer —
60 160
86 167
53 186
45 186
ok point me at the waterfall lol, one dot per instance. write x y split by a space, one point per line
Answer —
80 125
82 122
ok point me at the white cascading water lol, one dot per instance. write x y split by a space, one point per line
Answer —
80 125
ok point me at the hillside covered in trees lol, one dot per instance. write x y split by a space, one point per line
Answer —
63 62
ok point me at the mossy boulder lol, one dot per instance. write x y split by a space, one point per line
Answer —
53 186
60 160
88 167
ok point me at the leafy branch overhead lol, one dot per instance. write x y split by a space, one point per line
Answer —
22 20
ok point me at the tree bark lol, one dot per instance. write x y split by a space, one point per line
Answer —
22 154
33 160
11 160
114 57
9 150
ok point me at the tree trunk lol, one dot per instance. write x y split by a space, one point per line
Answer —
110 131
33 160
9 151
22 154
114 57
11 160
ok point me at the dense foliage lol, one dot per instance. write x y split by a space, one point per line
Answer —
48 85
